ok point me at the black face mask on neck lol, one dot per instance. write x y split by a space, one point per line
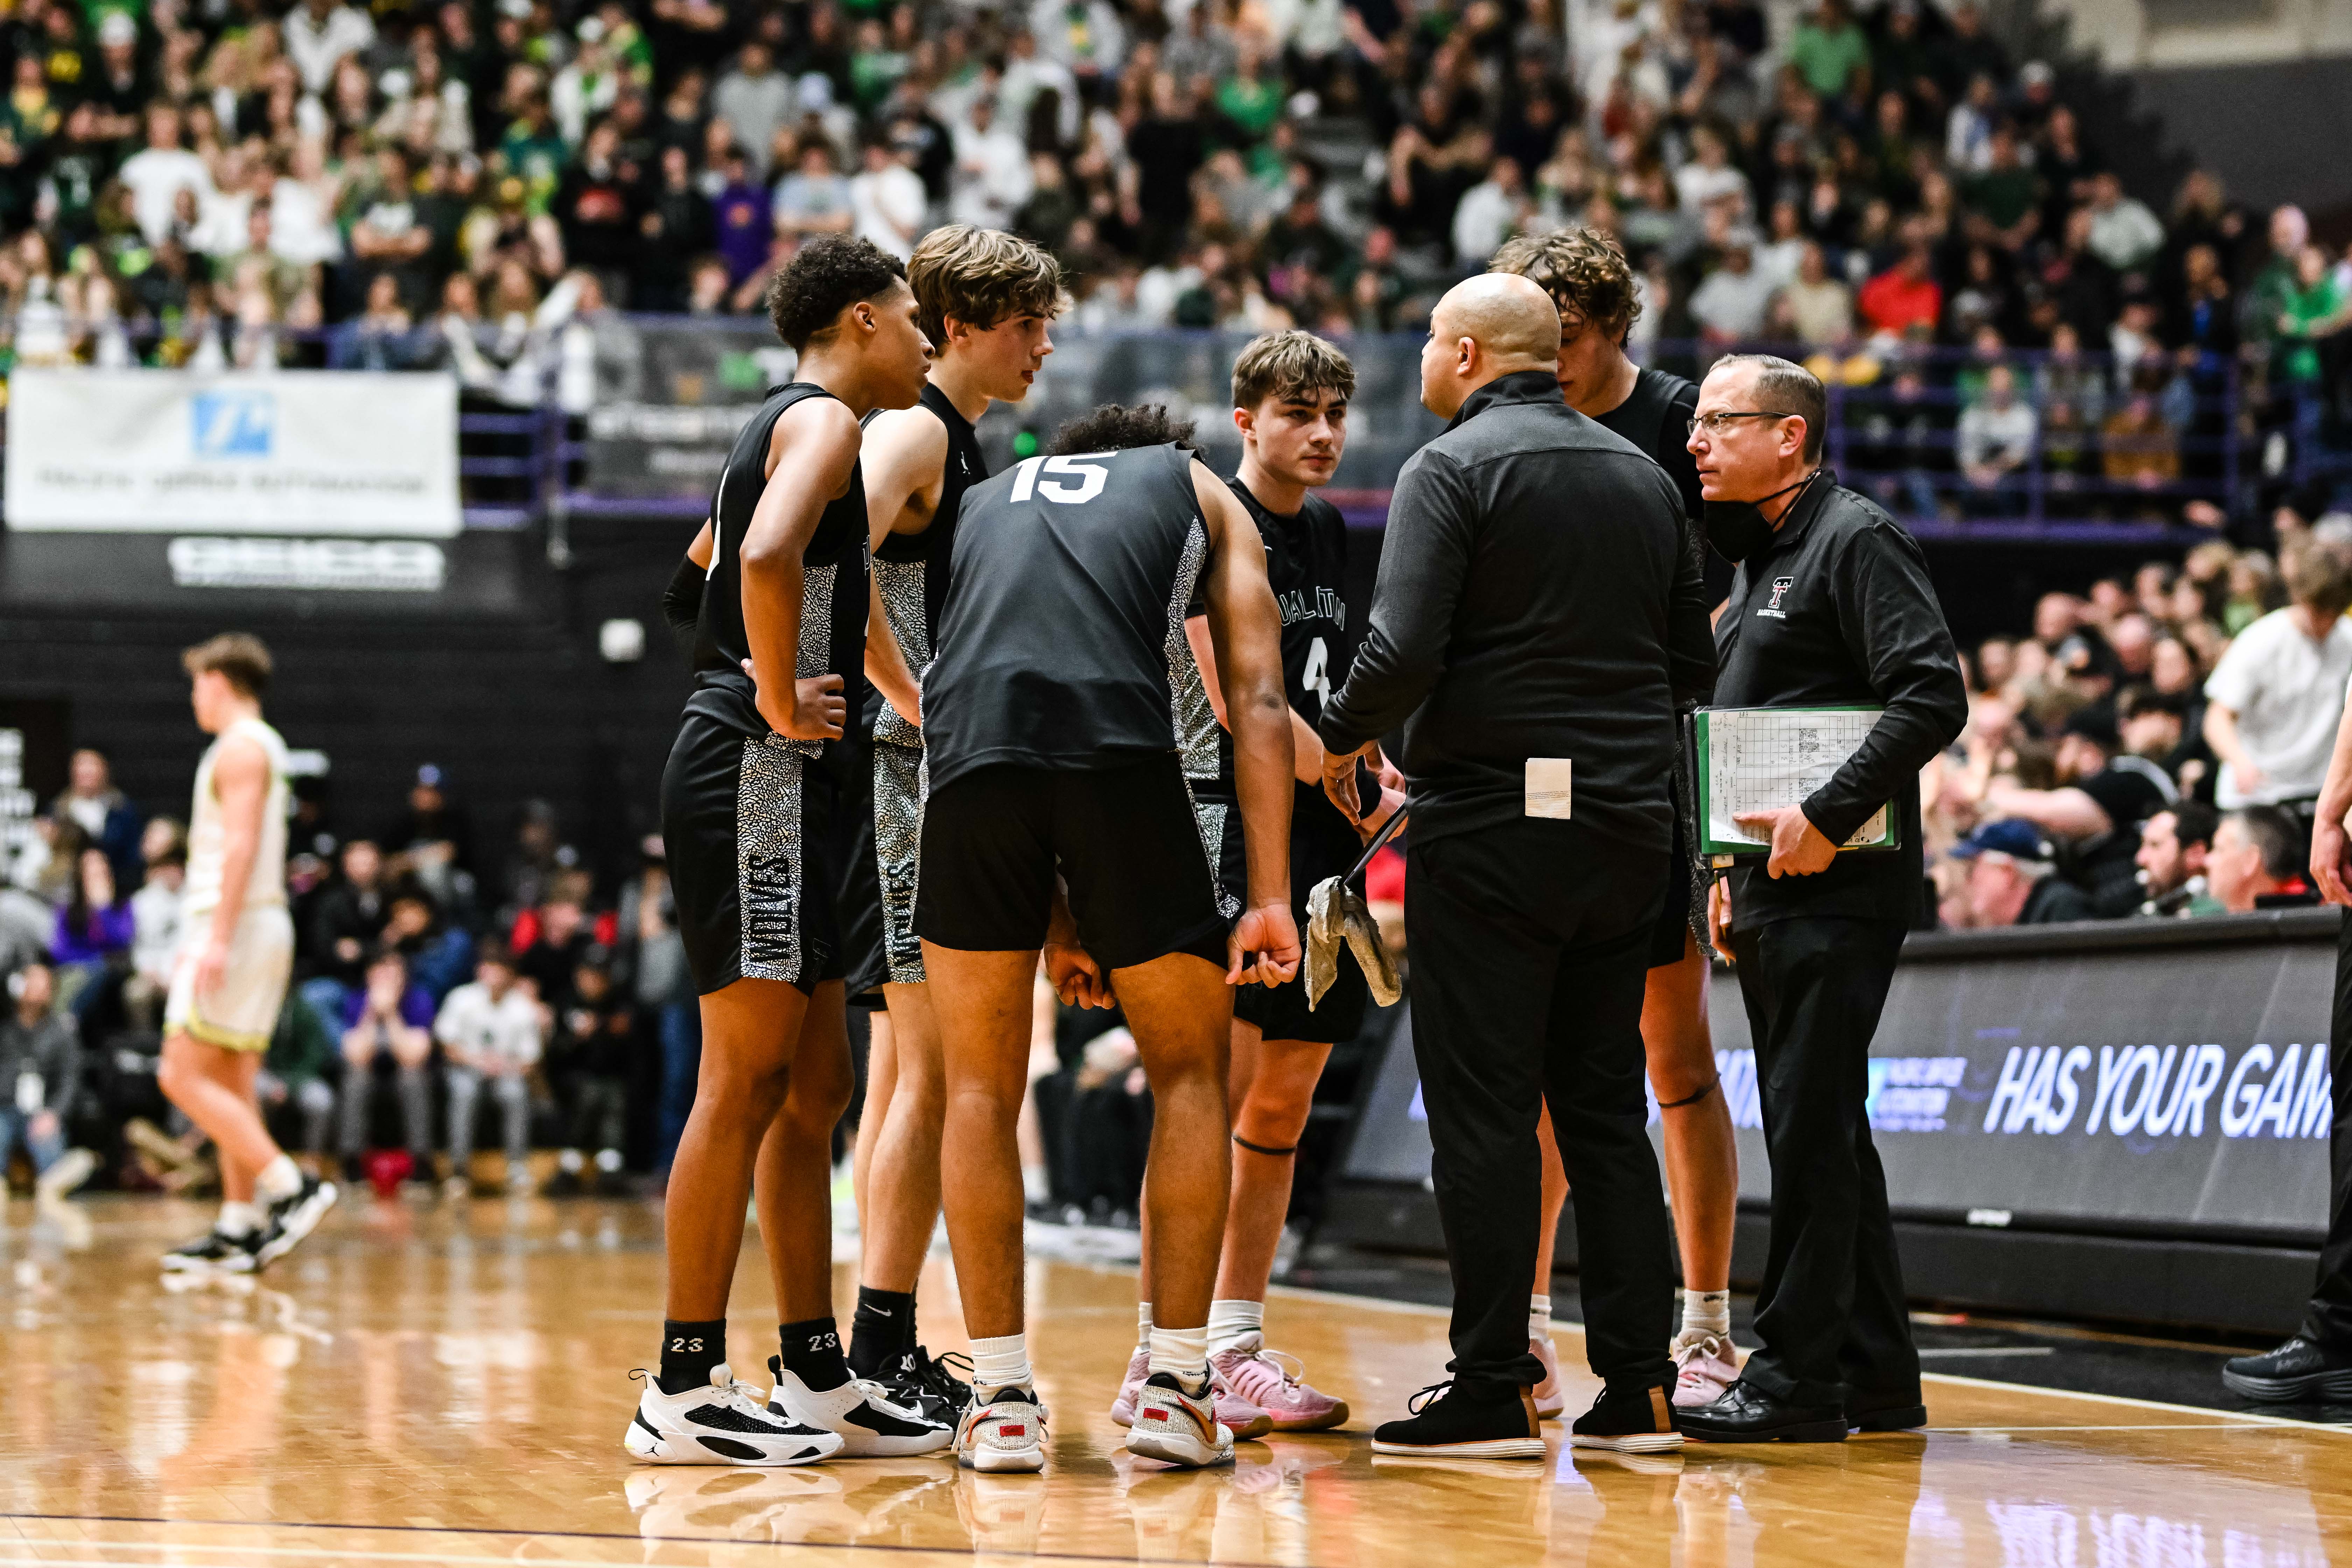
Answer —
1739 529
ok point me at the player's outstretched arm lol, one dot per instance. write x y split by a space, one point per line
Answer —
810 457
1245 632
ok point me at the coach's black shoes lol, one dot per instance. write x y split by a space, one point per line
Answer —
1746 1414
1447 1423
1885 1415
2300 1372
1629 1421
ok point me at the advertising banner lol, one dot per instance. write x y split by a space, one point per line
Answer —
2125 1089
319 452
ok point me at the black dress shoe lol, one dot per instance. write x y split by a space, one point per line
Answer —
1746 1414
1448 1423
2300 1372
1629 1421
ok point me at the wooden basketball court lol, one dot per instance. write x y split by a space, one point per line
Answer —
422 1385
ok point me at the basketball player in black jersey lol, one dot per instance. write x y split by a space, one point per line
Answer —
1059 820
1291 392
758 804
1587 276
985 299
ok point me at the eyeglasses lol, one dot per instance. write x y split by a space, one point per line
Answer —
1716 423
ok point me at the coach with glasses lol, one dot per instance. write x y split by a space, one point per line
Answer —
1832 607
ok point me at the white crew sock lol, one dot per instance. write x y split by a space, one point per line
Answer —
238 1219
1706 1312
1236 1326
1143 1325
279 1179
1001 1364
1182 1352
1539 1317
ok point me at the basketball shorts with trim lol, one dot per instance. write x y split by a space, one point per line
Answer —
1683 917
241 1013
759 857
1123 837
890 839
1323 844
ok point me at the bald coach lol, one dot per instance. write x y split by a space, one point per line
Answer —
1525 632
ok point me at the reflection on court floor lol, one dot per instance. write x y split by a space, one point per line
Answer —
450 1385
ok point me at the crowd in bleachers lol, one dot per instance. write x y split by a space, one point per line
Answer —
2155 748
436 982
203 181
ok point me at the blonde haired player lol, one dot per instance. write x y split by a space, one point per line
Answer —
233 963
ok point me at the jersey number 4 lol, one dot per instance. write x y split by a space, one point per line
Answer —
1087 469
1317 676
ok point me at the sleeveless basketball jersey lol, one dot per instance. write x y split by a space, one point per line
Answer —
833 584
1062 645
208 833
911 569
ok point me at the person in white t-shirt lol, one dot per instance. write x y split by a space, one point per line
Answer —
886 200
2273 700
491 1031
157 174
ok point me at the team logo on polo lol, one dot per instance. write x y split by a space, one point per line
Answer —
1781 586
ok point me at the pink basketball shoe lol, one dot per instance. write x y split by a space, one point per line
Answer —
1273 1382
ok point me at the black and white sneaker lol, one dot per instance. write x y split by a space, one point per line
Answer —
2299 1371
927 1385
294 1217
725 1424
216 1252
860 1412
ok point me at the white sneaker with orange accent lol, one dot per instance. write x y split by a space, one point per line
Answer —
1176 1428
1004 1431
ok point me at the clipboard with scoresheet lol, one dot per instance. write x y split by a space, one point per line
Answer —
1761 759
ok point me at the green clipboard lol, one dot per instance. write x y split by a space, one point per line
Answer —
1751 758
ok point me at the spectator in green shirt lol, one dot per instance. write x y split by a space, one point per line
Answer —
1828 48
2313 310
1247 98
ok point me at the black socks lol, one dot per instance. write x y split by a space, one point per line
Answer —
811 1352
688 1352
883 1331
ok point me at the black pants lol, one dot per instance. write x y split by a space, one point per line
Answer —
2328 1321
1530 946
1831 1312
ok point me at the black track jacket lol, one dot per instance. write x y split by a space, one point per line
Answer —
1536 597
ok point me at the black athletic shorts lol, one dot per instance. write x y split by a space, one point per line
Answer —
885 948
758 837
1322 845
1679 918
1125 841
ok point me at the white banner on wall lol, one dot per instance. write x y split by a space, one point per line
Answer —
307 452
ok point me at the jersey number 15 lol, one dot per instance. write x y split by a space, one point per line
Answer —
1088 470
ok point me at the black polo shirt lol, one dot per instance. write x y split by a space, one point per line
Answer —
1837 610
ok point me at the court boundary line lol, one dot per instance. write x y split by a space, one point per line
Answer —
966 1551
2251 1417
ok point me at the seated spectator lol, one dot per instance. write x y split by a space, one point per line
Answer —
2274 701
102 812
2123 233
436 837
590 1061
813 199
40 1066
292 1084
94 929
1729 305
1997 434
1903 298
438 951
549 941
2095 811
345 922
388 1019
2012 879
156 921
1820 308
491 1030
2139 446
2173 846
2256 861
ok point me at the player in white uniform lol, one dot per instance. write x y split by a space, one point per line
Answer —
235 957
